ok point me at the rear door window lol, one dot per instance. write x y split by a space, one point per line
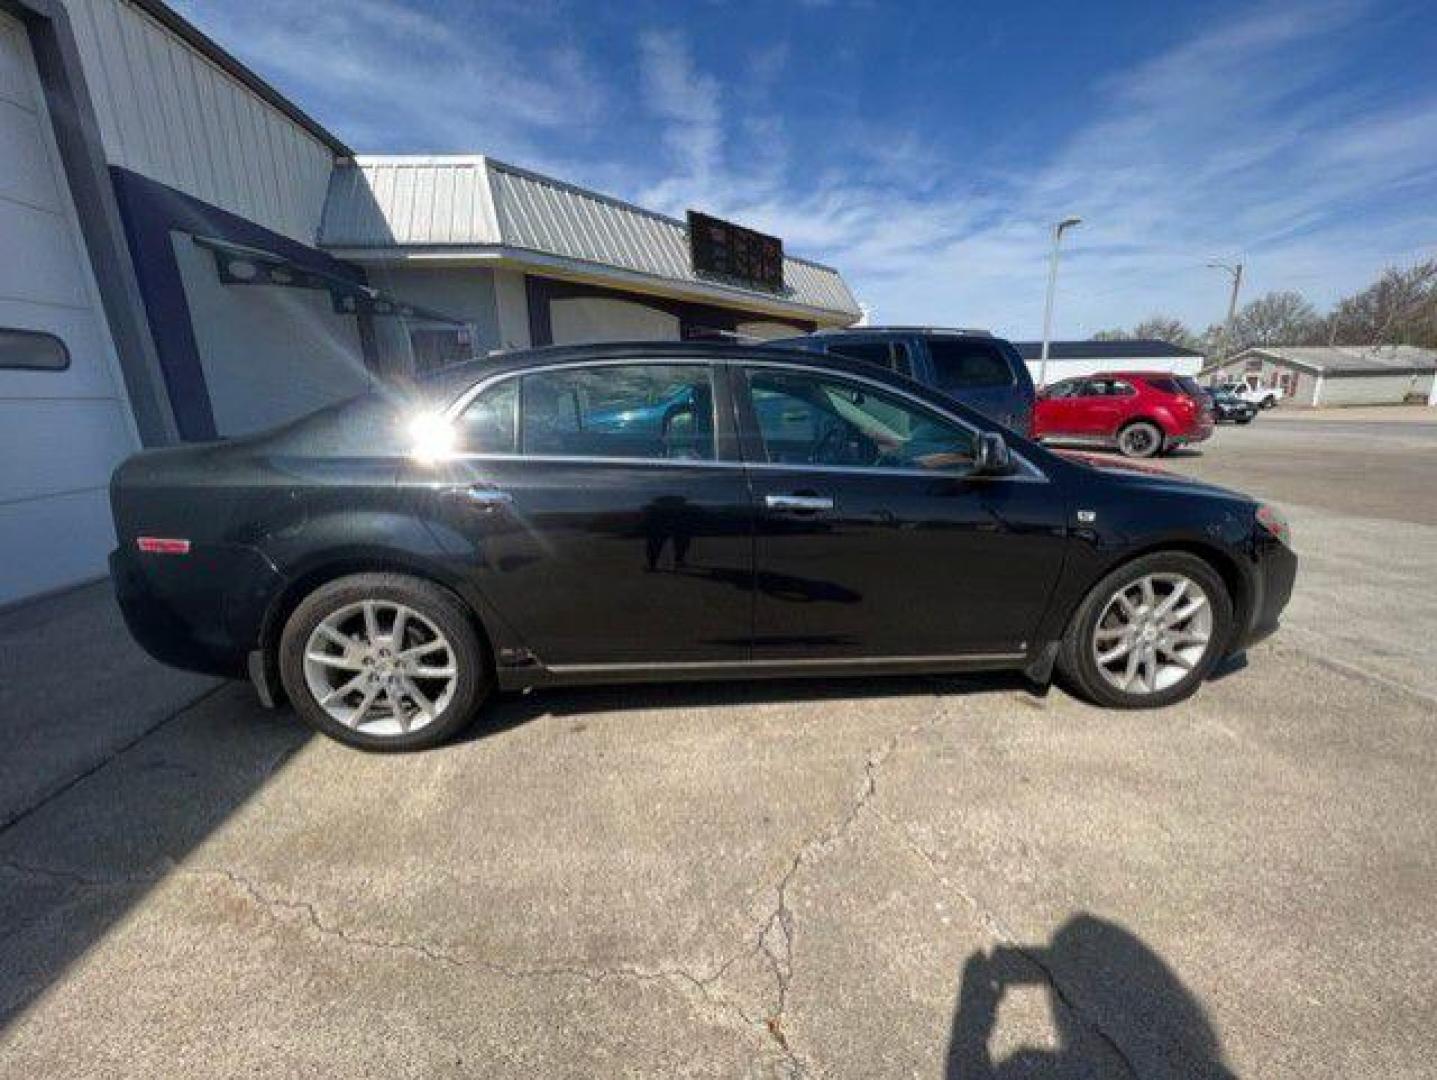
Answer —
959 364
489 425
892 355
1175 384
641 411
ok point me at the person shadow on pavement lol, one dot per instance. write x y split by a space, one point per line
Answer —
1118 1011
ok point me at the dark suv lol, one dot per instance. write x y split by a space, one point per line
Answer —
982 371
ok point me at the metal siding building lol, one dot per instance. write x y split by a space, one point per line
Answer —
171 113
1067 359
1335 375
394 215
188 255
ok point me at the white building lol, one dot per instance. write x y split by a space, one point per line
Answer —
187 255
1067 359
1335 375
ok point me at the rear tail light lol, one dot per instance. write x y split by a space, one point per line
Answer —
1273 521
162 545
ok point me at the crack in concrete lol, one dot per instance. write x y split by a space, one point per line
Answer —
776 933
310 916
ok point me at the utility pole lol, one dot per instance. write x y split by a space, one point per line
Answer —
1235 270
1058 229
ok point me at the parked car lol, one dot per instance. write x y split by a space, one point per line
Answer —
1264 397
1227 407
972 366
1141 413
388 563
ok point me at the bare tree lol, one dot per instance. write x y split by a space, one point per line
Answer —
1279 318
1116 334
1165 328
1400 308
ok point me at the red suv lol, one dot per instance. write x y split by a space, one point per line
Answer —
1142 413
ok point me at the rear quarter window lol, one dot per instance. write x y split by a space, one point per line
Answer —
968 365
1175 384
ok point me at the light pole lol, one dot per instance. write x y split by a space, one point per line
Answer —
1058 229
1235 270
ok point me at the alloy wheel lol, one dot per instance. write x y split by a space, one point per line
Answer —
380 667
1140 440
1152 632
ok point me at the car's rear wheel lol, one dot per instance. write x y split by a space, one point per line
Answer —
1141 439
1148 633
383 662
1269 403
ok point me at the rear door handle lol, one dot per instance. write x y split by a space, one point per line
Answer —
807 503
482 498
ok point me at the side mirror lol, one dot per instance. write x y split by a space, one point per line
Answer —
993 457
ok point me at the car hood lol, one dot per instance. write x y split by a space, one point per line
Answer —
1126 469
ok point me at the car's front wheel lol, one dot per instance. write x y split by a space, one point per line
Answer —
1141 439
383 662
1148 633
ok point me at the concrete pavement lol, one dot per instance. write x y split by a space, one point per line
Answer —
886 878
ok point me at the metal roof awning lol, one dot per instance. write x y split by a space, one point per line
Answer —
239 264
467 209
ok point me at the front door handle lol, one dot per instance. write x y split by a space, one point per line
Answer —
482 498
806 503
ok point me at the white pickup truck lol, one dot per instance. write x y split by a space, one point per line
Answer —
1264 397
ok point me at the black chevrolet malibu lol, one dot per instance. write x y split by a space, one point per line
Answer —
650 512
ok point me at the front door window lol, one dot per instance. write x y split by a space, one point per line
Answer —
808 419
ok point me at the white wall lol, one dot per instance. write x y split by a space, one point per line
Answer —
167 112
1374 390
461 292
512 300
63 431
269 353
591 318
1068 369
767 330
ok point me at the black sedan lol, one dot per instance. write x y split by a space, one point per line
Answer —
1228 408
653 512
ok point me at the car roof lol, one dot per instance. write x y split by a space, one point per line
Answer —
881 331
452 379
1130 375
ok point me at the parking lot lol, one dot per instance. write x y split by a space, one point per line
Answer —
920 877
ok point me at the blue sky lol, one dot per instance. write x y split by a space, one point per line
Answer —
924 148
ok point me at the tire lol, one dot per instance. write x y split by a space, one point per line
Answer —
1078 660
342 635
1245 419
1268 403
1140 439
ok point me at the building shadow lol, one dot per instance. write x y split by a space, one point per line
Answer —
1117 1010
85 859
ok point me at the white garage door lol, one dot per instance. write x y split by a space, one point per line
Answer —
64 421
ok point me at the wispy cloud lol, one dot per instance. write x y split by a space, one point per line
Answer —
1256 138
1237 142
388 76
